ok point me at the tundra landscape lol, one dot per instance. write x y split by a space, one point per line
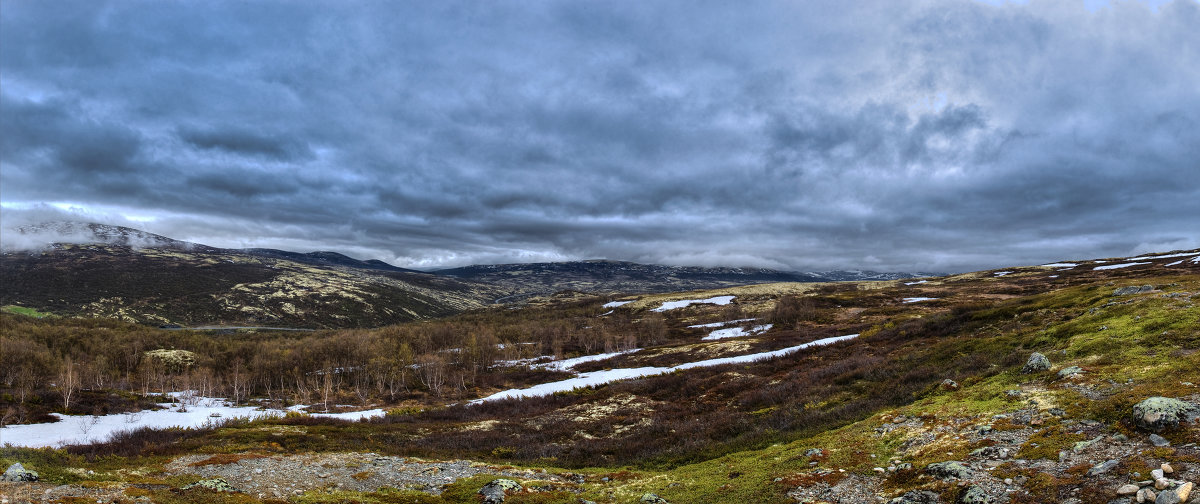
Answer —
1026 384
599 252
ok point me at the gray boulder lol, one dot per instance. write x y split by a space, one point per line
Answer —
650 498
1070 372
1037 362
1103 467
1132 289
18 472
950 469
974 495
496 490
1158 413
916 497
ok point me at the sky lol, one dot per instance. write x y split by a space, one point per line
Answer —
926 135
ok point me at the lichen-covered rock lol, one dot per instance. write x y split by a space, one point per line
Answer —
650 498
974 495
949 384
496 490
1158 413
1132 289
1037 362
18 472
1070 372
215 484
916 497
950 469
1103 467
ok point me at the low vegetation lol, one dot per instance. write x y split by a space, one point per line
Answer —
925 382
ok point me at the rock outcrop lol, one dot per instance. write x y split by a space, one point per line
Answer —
1158 413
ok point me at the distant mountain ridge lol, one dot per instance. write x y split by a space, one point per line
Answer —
623 276
90 232
101 270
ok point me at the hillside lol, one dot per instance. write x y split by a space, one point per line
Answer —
931 390
114 272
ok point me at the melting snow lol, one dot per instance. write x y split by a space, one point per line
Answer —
1119 266
1174 263
1002 273
607 376
1053 276
73 429
918 282
565 364
735 332
671 305
918 299
1143 258
1061 265
609 312
615 304
719 324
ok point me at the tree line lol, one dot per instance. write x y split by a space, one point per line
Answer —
53 360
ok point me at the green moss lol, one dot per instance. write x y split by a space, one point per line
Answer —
28 312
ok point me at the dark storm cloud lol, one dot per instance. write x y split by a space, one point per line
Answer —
925 135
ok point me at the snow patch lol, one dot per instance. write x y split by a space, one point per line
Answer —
719 324
78 429
737 332
918 282
1002 273
1119 266
1061 265
1175 263
611 375
918 299
1171 256
615 304
671 305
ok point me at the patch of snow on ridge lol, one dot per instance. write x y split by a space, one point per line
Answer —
615 304
918 282
1061 265
1175 263
611 375
1143 258
918 299
1119 266
671 305
1002 273
736 332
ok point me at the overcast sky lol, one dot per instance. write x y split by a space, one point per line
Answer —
939 135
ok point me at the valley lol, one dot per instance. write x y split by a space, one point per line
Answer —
778 392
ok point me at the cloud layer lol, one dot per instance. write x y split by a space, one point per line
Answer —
932 135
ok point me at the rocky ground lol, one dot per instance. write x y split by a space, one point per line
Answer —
1029 454
293 475
281 477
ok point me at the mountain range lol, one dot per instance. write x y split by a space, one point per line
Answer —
101 270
